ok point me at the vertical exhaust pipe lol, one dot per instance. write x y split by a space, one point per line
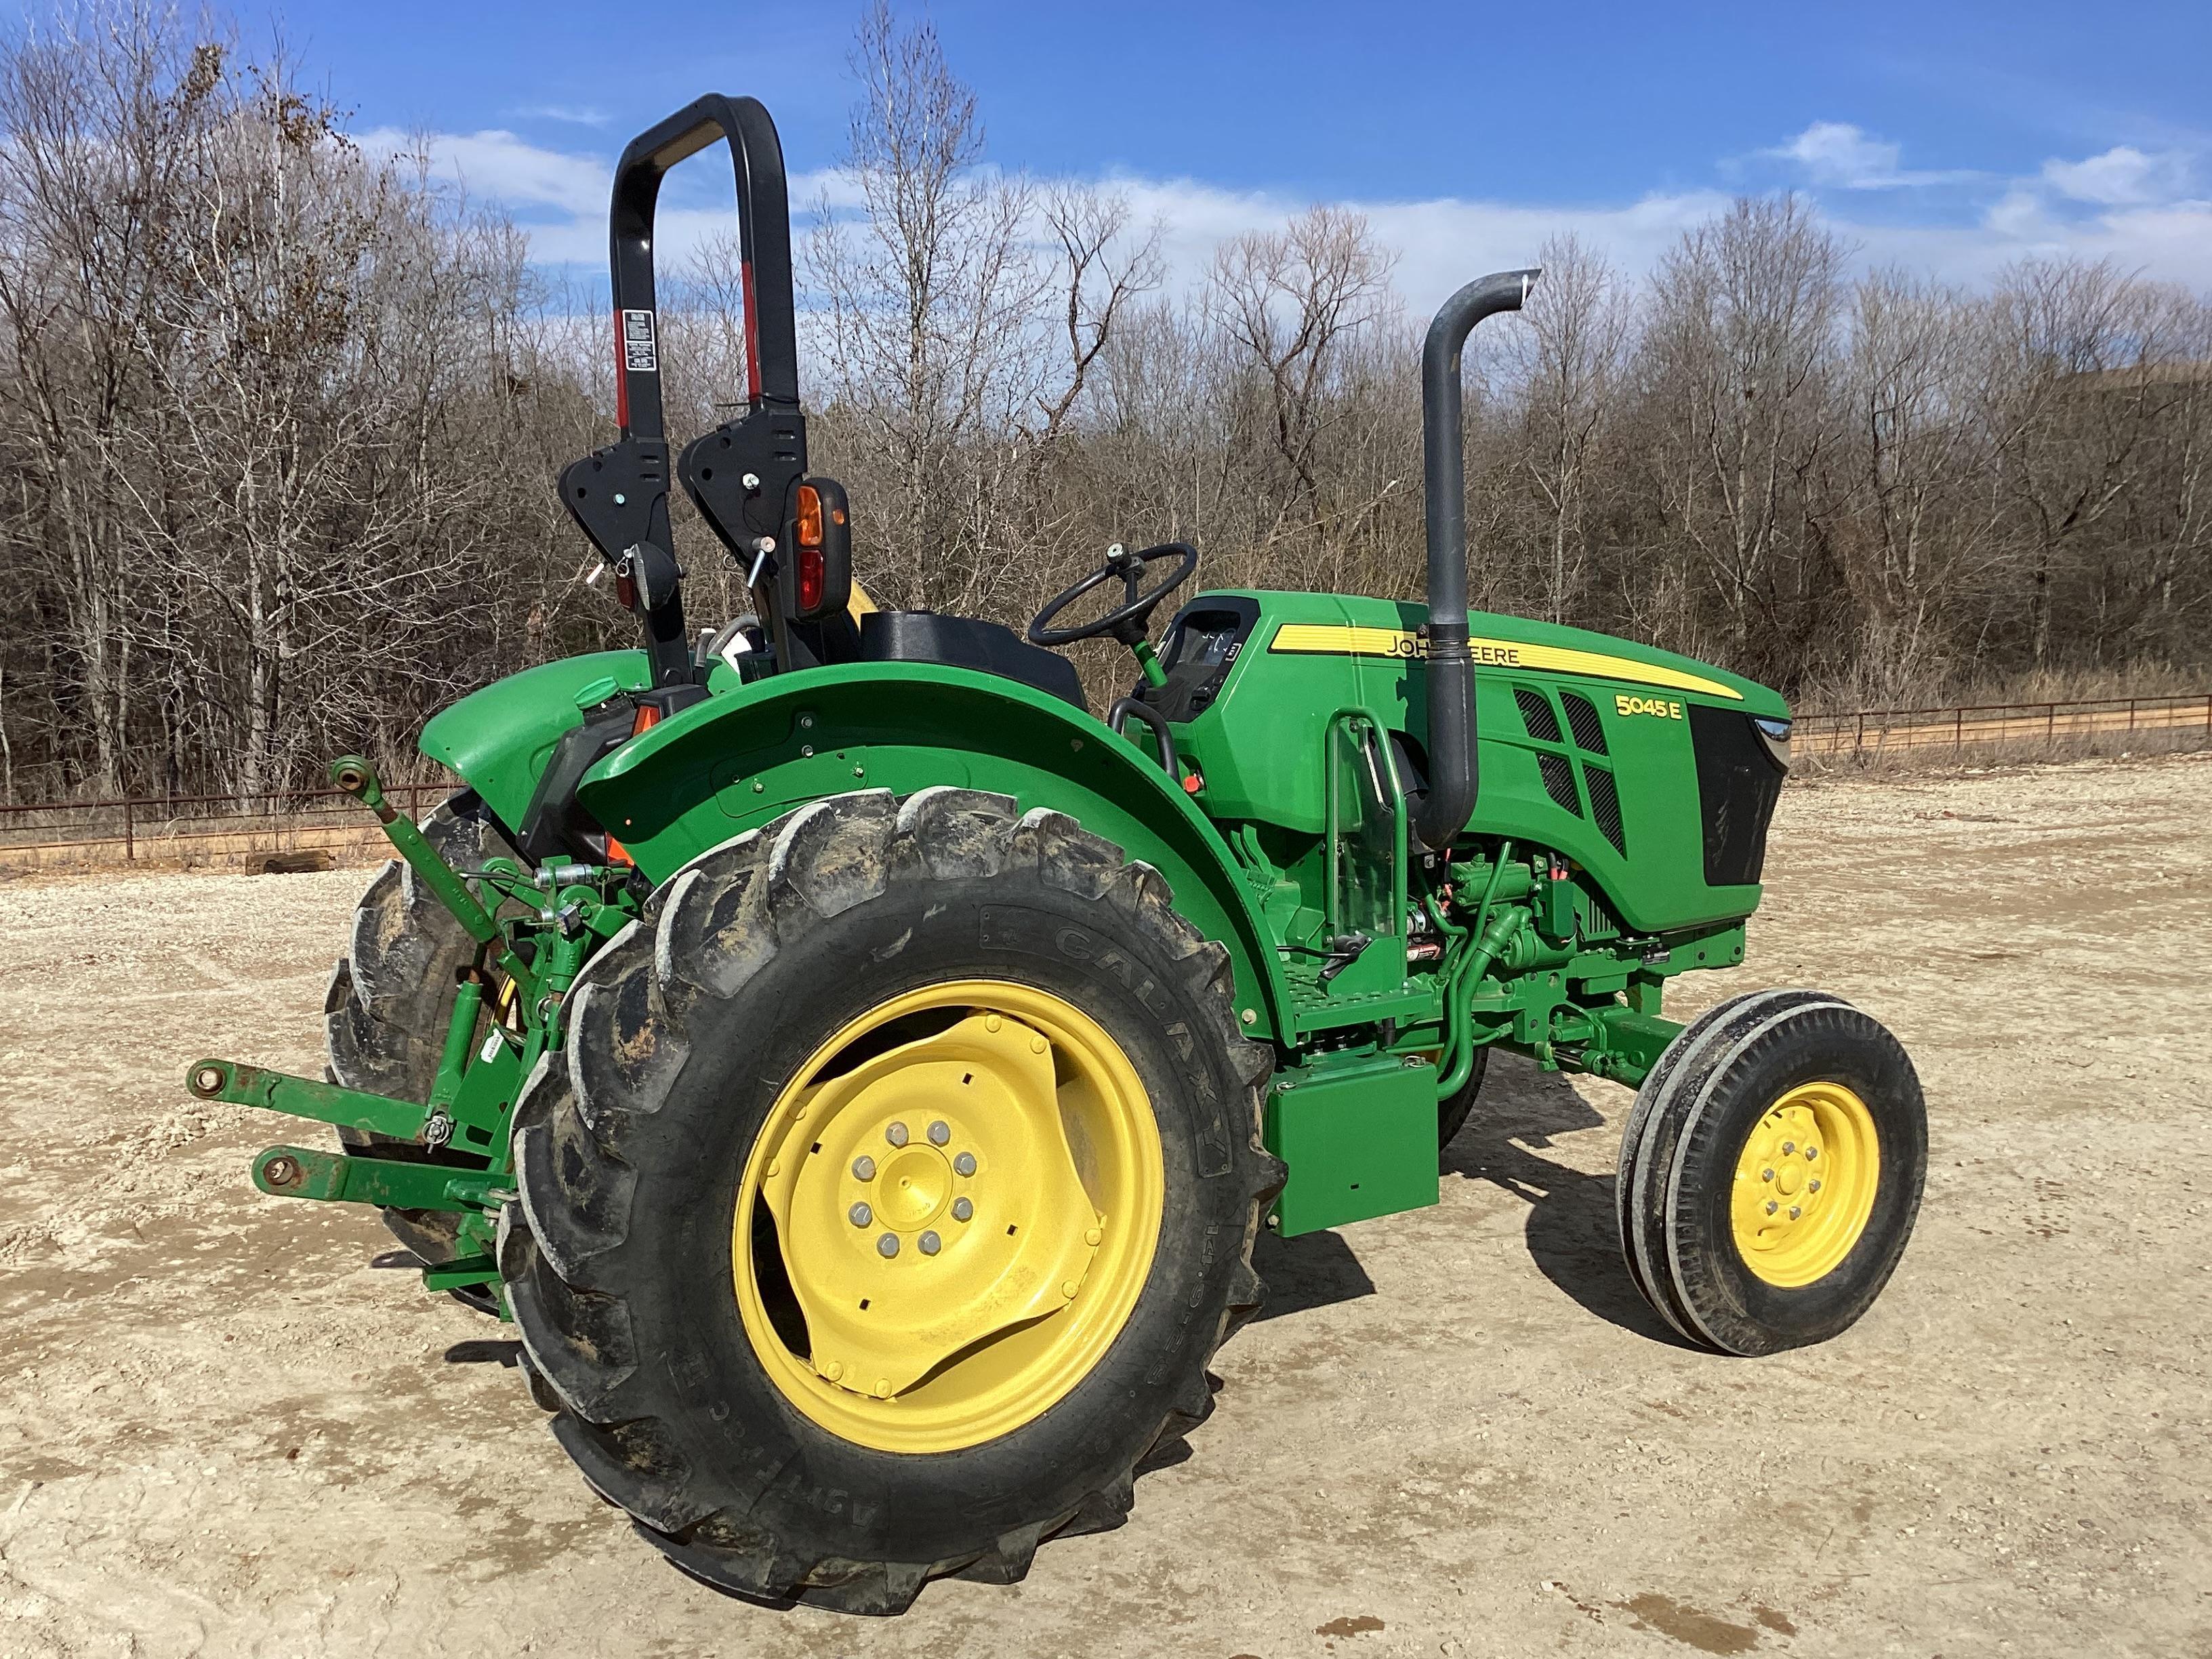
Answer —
1450 800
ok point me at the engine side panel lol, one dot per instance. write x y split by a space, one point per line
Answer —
1584 743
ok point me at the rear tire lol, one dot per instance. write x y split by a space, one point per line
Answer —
1772 1172
700 1036
391 995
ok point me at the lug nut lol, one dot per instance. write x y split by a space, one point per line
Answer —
1772 1206
964 1164
1811 1152
860 1215
887 1246
896 1134
939 1132
1795 1211
1812 1186
864 1168
1788 1147
962 1209
1766 1175
930 1243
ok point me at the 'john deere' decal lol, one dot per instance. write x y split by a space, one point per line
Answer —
1334 639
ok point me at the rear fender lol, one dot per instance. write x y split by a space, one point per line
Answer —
742 758
499 738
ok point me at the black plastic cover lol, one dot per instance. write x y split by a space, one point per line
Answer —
1203 643
1738 783
555 826
966 642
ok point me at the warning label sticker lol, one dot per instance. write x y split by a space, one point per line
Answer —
638 354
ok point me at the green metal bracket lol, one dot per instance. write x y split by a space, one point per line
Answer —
300 1096
465 1273
1359 1134
344 1178
1628 1043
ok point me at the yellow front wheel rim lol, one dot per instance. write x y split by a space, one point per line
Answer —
948 1216
1805 1184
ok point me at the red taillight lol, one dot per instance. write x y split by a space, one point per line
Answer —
807 531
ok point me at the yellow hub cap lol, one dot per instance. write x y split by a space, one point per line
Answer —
1805 1184
961 1191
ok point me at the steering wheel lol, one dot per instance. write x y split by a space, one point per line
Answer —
1131 619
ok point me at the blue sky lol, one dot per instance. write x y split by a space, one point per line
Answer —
1949 137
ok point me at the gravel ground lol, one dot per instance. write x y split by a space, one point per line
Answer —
229 1430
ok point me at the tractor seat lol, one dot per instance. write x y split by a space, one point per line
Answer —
966 642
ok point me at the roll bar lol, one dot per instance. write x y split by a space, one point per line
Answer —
742 474
1452 767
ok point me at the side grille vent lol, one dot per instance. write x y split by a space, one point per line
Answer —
1582 716
1559 782
1536 714
1605 803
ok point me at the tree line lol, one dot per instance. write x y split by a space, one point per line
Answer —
279 418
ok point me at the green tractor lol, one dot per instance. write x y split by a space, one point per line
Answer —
861 1072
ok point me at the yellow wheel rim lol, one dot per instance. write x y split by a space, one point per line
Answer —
949 1216
1805 1184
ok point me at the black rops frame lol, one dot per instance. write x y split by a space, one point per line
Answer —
741 475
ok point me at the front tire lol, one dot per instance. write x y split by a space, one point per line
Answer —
796 1403
1772 1172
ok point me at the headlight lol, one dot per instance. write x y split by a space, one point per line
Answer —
1774 737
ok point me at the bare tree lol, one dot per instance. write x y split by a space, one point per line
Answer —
1571 359
1293 302
927 299
1743 333
278 417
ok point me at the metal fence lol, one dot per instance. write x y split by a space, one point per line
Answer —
189 829
312 822
1879 730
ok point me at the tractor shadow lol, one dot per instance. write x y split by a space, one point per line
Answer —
1573 1235
1314 1270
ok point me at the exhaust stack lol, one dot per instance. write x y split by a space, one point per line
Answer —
1452 781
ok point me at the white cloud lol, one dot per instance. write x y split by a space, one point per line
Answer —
2122 177
1840 155
560 197
1837 152
497 166
577 115
1440 244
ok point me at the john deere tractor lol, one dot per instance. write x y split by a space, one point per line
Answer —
861 1072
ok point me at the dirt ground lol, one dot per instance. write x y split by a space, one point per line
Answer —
228 1430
